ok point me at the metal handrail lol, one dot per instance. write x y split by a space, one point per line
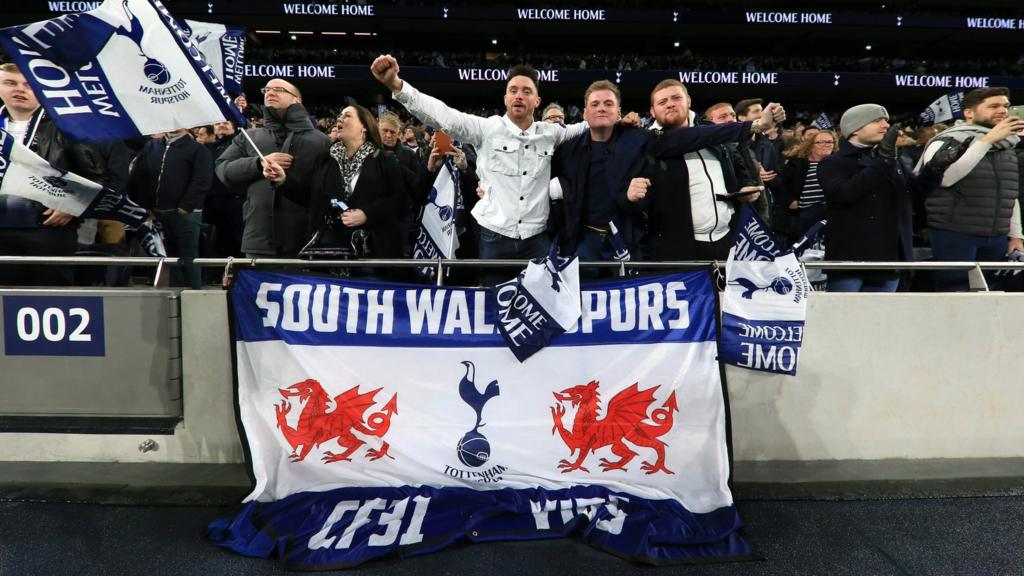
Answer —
406 263
976 277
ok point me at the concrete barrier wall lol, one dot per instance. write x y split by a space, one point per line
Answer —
917 376
891 376
207 434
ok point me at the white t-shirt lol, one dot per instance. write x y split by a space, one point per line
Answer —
17 129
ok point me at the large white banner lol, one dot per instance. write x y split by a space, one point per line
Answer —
388 417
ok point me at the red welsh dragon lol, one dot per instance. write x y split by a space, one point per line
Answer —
623 420
316 425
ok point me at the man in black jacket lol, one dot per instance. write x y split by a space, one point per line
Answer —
276 217
693 201
171 178
27 228
868 201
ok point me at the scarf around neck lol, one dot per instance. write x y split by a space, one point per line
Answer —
962 132
31 141
350 166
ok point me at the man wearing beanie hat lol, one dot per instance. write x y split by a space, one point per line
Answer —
974 215
867 198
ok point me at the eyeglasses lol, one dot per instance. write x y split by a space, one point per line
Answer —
277 90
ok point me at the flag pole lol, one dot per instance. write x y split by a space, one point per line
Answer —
254 147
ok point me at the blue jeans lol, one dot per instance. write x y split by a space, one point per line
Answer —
494 246
181 235
950 246
862 284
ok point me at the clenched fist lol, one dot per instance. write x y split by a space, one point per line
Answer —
385 70
637 189
772 114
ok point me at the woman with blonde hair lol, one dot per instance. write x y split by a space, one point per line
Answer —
801 192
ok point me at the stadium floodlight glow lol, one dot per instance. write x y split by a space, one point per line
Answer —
299 32
268 31
676 44
365 34
335 33
293 37
868 47
494 41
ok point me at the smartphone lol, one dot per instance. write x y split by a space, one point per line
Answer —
444 142
1017 111
737 194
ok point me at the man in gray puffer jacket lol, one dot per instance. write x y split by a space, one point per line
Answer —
975 214
276 217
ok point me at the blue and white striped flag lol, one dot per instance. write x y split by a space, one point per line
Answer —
943 109
24 174
123 70
438 236
223 47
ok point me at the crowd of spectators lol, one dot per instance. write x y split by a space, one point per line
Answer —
682 58
342 181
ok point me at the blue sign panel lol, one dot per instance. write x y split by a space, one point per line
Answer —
53 326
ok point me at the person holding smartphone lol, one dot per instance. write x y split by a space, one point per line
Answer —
974 214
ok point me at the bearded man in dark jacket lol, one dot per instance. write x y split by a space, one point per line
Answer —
276 217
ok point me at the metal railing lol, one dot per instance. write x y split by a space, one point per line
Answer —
974 269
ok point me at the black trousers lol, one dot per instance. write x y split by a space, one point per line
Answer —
42 241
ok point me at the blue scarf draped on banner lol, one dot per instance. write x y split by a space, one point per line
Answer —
123 70
389 419
542 302
765 300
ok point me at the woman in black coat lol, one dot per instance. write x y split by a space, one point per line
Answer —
357 198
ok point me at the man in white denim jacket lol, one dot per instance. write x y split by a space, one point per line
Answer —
514 158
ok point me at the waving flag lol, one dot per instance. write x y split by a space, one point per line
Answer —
943 109
389 419
24 174
123 70
823 122
438 236
541 303
223 48
765 300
